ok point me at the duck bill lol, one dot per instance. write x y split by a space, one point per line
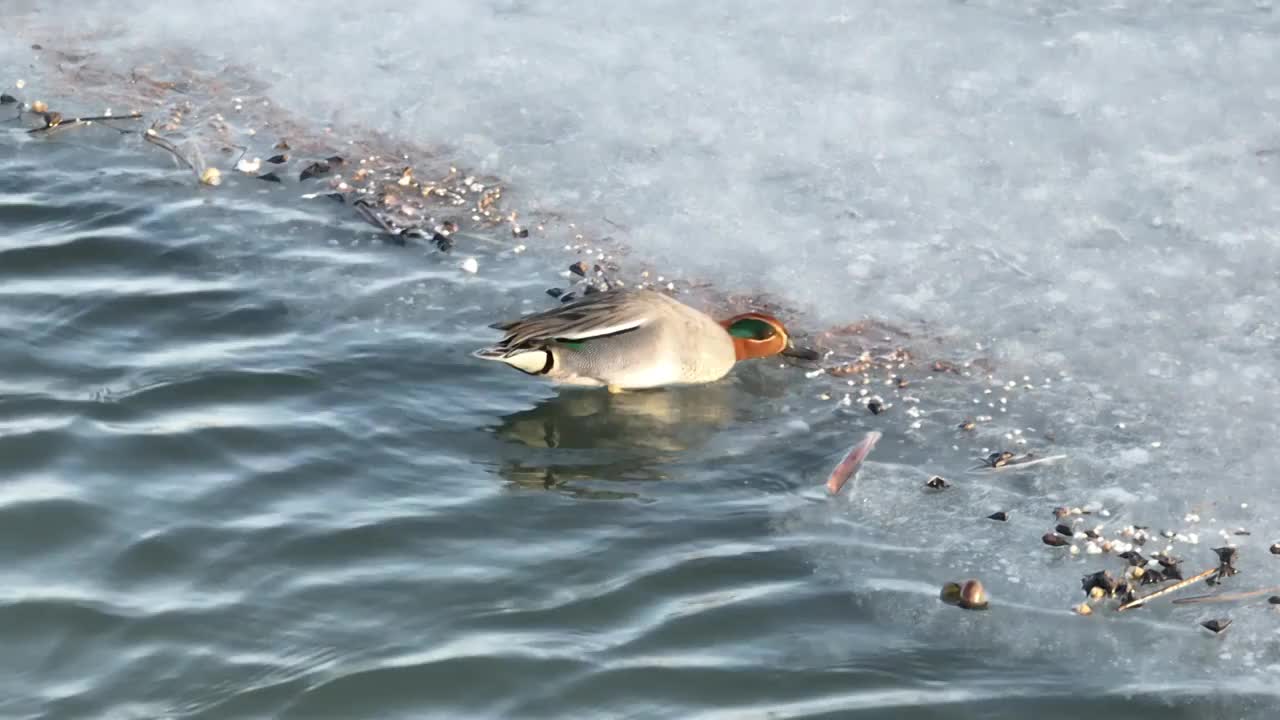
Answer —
799 353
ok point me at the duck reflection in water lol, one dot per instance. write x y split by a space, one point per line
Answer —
585 435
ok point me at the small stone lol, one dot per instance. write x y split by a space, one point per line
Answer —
1217 624
973 596
1274 599
470 265
968 424
579 268
39 106
875 406
937 483
1054 540
1061 512
1064 530
1001 515
441 241
270 177
1082 609
211 176
555 292
1275 549
278 159
7 99
520 231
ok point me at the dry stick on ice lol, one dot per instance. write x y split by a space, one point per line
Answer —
54 121
1226 597
1172 588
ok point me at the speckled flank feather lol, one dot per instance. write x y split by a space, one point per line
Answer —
622 338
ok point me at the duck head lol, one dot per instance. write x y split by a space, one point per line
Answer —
758 335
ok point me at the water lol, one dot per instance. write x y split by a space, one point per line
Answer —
247 468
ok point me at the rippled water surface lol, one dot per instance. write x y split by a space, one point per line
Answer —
249 469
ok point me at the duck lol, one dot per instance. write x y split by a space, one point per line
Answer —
635 339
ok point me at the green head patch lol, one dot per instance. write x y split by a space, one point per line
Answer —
752 329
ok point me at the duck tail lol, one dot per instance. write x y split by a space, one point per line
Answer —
535 361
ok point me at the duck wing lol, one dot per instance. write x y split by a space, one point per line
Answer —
595 316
